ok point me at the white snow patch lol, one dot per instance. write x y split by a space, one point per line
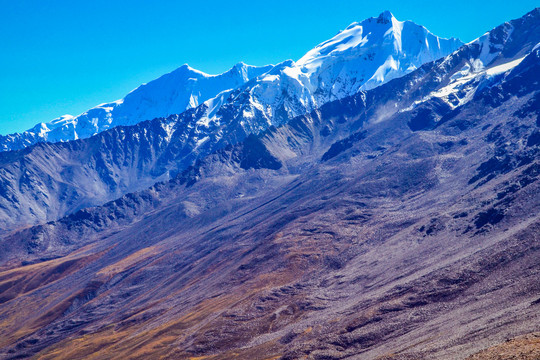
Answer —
499 69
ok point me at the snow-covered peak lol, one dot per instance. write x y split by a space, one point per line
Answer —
370 53
355 35
181 89
386 17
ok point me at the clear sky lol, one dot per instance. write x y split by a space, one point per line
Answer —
65 56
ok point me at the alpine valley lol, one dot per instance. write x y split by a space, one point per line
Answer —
379 198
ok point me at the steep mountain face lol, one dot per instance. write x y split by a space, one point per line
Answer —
125 159
399 223
364 55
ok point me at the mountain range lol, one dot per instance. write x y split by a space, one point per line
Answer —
245 100
362 56
376 199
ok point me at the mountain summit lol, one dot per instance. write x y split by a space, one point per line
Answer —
370 53
363 56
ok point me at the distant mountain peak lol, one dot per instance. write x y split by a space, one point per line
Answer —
377 50
240 64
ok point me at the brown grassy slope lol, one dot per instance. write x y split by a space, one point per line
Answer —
526 347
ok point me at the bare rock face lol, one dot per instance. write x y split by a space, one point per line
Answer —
399 223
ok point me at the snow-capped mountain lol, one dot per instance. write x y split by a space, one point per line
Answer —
368 54
171 93
363 56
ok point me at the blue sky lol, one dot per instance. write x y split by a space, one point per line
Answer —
63 57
